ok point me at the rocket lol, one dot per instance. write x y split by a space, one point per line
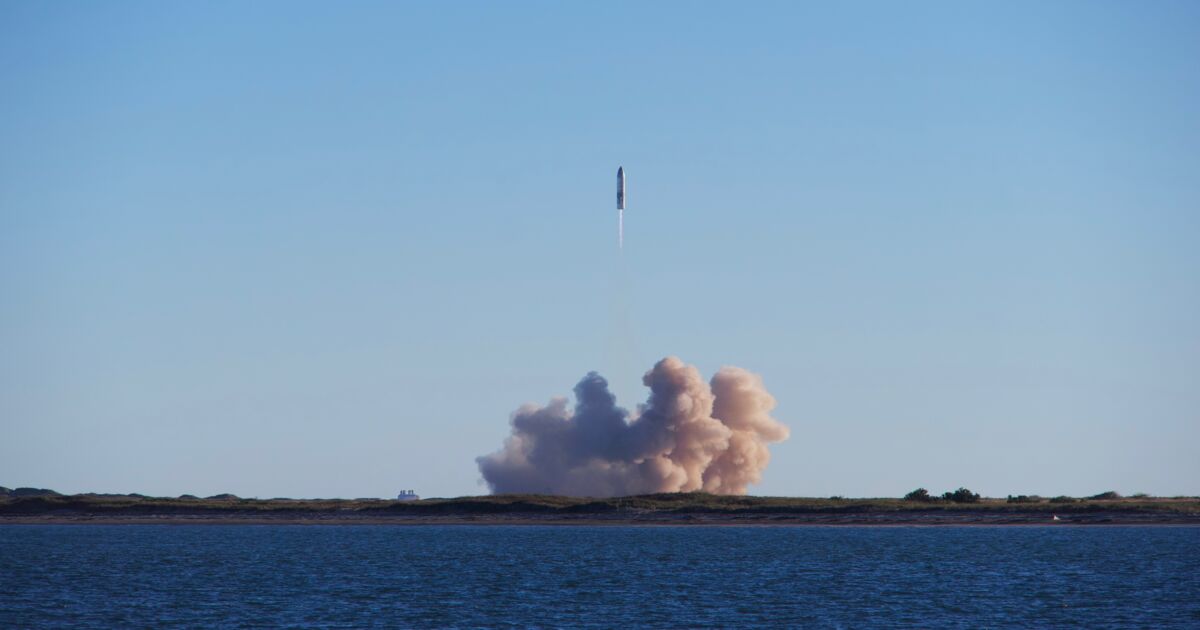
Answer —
620 188
620 207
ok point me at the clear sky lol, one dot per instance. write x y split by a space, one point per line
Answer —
289 249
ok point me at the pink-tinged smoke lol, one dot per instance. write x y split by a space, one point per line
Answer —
690 435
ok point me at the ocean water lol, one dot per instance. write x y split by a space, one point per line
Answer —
102 576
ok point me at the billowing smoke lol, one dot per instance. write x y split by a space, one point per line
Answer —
690 435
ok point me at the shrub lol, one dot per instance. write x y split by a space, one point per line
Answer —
1105 496
32 492
1023 498
920 494
962 495
1062 498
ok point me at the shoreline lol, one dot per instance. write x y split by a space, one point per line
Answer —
686 509
844 520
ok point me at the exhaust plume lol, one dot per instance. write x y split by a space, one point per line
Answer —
690 435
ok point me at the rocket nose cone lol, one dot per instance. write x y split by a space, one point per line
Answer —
620 171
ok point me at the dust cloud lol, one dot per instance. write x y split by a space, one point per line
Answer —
689 435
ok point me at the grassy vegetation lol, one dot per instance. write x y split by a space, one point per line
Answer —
681 503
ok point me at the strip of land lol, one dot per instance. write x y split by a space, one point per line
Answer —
656 509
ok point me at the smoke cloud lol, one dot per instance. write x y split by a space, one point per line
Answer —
690 435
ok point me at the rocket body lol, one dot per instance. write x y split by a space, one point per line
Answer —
620 188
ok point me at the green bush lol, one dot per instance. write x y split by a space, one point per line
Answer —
1062 498
1105 496
920 495
1023 498
962 495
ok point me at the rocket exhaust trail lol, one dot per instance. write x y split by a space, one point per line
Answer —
620 207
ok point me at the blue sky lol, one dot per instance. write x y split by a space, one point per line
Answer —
290 249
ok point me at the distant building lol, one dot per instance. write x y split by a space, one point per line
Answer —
407 495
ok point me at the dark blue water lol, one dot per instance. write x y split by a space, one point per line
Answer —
353 576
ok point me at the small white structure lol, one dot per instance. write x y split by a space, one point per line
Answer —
408 495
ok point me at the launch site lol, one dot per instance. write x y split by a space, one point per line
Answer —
589 315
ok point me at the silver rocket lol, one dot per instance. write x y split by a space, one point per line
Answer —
620 188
